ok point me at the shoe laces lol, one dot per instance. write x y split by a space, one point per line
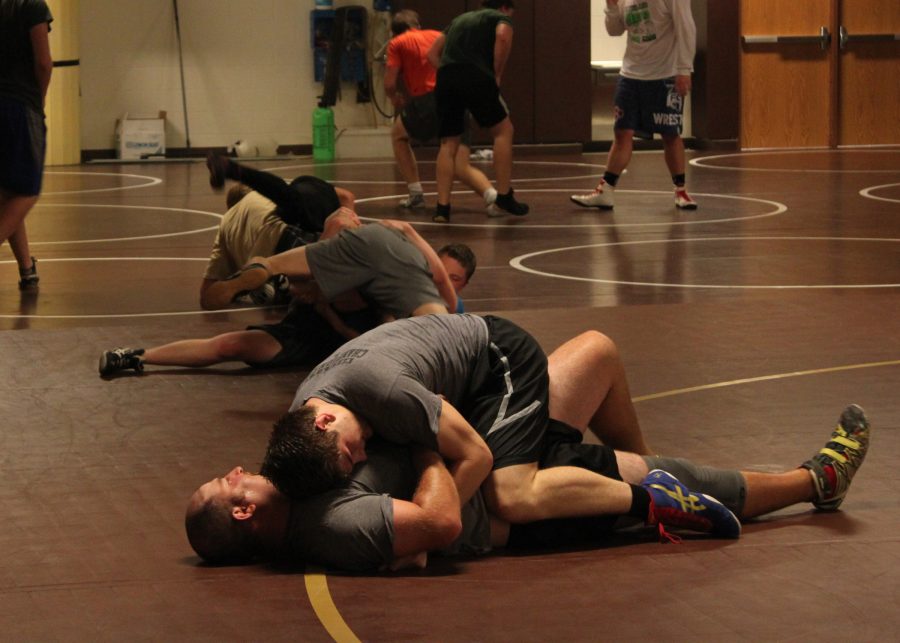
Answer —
664 535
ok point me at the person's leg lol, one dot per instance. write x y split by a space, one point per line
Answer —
271 186
503 133
474 178
291 263
523 493
673 146
13 210
603 196
589 389
822 480
621 151
445 169
406 163
252 346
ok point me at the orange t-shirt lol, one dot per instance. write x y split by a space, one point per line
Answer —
408 52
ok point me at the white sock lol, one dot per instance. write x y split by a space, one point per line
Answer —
415 188
490 195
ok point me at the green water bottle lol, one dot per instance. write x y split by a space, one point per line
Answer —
323 134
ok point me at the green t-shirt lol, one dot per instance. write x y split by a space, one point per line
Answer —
470 39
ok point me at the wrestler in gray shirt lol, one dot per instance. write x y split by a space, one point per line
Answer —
352 527
394 375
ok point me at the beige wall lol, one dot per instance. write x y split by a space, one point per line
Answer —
247 65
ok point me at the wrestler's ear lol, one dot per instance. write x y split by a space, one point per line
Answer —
323 420
243 512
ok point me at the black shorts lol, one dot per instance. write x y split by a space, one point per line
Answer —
420 118
318 199
306 338
563 447
464 87
507 398
23 138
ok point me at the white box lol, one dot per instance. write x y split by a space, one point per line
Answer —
141 136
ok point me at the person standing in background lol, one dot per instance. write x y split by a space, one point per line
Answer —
25 69
470 57
409 81
655 78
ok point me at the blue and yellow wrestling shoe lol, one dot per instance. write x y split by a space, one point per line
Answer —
674 505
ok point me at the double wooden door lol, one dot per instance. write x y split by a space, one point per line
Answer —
819 73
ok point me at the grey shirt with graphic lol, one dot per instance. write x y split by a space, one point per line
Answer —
394 375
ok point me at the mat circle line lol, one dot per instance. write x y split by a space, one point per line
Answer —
161 235
697 162
867 192
153 181
518 264
127 315
779 209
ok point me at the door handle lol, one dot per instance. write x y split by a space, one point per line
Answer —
824 39
844 37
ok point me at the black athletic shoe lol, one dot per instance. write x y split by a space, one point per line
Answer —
120 359
29 278
441 213
508 203
217 166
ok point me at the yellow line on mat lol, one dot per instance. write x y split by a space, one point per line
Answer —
324 607
762 378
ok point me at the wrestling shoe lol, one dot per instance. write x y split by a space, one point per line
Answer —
674 505
29 278
441 213
602 197
217 166
508 203
833 467
275 291
221 293
683 200
120 359
413 202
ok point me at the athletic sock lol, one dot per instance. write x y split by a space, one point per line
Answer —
640 502
415 188
610 178
678 180
490 195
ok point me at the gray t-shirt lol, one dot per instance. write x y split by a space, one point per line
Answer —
352 527
388 271
394 375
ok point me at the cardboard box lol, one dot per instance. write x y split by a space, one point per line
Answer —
141 136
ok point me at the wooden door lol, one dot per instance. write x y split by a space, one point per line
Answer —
785 82
869 76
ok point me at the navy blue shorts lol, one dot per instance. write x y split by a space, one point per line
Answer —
23 140
648 107
464 87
